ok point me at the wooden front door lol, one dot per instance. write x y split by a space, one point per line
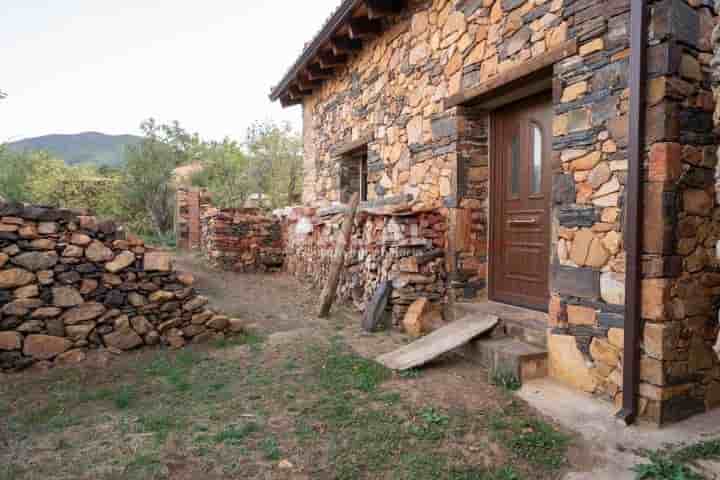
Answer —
521 188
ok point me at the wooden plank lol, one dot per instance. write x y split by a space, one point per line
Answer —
327 297
441 341
349 147
526 69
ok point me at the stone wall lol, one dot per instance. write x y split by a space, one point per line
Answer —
393 93
70 284
190 203
404 247
242 240
679 222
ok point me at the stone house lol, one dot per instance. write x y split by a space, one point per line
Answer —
568 144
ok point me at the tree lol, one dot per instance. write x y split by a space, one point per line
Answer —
275 162
148 175
15 170
224 173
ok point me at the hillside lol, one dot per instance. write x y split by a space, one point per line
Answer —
83 148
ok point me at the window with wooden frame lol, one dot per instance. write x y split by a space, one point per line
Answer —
354 174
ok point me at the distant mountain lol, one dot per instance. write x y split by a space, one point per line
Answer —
83 148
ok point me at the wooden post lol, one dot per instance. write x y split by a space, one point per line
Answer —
328 294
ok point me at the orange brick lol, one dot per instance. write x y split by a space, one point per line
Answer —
578 315
665 162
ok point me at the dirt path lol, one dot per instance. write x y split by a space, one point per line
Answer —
276 303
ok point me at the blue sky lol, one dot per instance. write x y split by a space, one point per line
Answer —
79 65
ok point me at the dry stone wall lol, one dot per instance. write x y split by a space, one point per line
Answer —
70 284
242 240
403 247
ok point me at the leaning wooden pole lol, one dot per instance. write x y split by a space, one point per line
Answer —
328 294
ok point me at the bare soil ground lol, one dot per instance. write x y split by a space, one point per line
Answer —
296 398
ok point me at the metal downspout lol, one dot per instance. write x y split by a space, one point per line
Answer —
634 211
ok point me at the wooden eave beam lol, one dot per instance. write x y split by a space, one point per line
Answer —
307 84
344 45
317 72
329 61
295 93
364 28
286 101
382 8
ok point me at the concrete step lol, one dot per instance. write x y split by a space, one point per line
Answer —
508 356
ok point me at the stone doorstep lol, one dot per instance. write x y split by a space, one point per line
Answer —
528 333
525 325
509 356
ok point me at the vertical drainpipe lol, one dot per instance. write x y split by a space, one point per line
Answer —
634 211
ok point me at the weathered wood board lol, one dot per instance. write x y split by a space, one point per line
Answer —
440 341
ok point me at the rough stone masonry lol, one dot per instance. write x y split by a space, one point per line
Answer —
70 284
392 94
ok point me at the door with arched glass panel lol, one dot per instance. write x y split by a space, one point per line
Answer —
521 189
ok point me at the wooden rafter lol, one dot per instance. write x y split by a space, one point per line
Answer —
306 84
317 72
383 8
364 28
286 101
343 45
329 61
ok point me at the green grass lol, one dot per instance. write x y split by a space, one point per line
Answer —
143 466
236 434
253 339
235 414
505 380
530 439
674 463
271 448
661 468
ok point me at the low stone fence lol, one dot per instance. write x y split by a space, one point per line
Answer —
404 247
242 240
70 283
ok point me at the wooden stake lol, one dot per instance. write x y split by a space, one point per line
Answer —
328 294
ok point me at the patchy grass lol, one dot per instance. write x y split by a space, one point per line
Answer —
505 380
675 463
253 339
529 438
326 410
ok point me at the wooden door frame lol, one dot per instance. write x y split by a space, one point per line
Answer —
497 196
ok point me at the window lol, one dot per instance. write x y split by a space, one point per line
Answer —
537 160
354 175
515 166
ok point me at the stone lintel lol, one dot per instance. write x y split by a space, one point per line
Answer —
522 72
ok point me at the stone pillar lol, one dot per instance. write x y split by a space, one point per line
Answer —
469 225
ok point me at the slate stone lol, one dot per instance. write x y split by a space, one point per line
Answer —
611 320
563 189
508 5
576 282
571 217
444 127
680 408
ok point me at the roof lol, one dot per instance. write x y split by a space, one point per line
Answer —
353 22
